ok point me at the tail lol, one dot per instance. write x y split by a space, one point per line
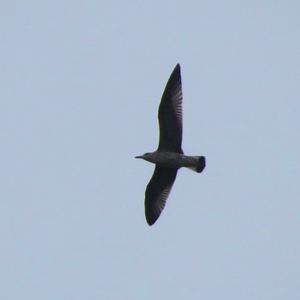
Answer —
199 164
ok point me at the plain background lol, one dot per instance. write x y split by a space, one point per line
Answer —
80 86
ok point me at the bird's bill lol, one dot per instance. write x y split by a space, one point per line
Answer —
139 156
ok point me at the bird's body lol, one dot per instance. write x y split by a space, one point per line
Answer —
174 160
169 156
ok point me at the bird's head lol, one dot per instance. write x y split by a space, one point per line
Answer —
143 156
146 156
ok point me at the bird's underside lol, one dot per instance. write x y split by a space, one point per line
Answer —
169 156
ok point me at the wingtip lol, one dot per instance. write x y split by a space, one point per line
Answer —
150 220
177 66
150 223
176 74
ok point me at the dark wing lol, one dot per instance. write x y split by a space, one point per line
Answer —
170 114
157 192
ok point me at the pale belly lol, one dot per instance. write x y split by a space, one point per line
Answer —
175 160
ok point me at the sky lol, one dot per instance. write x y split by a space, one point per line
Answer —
81 82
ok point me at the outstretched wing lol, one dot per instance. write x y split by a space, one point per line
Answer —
157 192
170 114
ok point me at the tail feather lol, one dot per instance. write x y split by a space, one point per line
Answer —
199 164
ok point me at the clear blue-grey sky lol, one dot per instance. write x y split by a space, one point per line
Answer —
80 86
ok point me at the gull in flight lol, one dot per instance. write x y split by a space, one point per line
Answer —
169 157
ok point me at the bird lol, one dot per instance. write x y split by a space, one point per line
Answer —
169 156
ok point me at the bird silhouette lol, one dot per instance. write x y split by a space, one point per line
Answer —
169 157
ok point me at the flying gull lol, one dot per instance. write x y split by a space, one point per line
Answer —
169 157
